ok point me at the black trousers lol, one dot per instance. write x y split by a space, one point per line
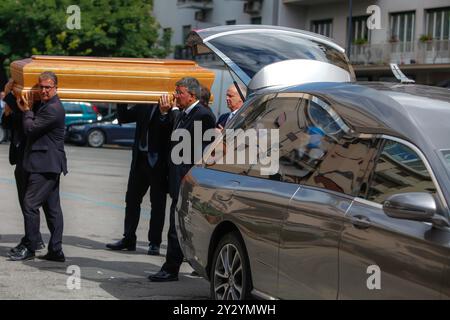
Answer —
21 183
174 256
42 190
142 177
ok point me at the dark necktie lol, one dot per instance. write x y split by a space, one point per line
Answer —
184 116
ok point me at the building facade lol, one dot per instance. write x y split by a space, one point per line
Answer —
411 33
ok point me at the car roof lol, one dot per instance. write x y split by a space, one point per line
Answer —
417 113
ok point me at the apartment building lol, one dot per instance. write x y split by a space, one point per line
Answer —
412 33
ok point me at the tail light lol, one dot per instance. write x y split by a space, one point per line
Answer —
95 108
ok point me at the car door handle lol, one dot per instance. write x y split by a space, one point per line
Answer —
360 222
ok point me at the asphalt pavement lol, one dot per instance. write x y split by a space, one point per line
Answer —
92 199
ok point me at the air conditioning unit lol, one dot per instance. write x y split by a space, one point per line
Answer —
200 15
253 6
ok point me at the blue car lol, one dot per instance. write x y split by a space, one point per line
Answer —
80 112
97 134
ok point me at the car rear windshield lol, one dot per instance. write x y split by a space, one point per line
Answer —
251 52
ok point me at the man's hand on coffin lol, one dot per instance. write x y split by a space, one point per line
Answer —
25 102
165 103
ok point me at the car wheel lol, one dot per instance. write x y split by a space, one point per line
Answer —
95 138
230 271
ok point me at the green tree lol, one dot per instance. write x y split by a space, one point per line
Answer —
109 28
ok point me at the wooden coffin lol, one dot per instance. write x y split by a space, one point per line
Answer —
131 80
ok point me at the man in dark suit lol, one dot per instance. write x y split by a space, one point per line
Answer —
12 119
149 168
234 103
187 94
44 161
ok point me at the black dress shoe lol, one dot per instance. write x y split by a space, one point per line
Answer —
163 276
54 256
23 254
122 245
15 250
153 250
20 246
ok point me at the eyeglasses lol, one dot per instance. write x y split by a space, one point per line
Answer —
178 92
46 88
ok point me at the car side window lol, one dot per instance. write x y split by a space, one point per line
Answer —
267 112
72 108
398 169
279 114
322 153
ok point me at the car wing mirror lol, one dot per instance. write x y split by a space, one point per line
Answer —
418 206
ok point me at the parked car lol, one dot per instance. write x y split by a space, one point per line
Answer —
359 205
80 112
96 134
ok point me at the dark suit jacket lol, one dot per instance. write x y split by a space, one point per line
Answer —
14 123
208 121
223 119
147 121
44 129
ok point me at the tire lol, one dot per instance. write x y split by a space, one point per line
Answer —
234 285
96 138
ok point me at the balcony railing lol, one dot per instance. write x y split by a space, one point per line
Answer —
417 52
195 4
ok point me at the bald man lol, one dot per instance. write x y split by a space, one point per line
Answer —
234 103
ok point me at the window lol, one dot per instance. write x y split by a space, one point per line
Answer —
262 114
72 108
255 20
323 27
186 31
398 169
438 23
318 152
360 32
230 22
402 26
251 52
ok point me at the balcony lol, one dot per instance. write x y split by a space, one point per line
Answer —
195 4
417 52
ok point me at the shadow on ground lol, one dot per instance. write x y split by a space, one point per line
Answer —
121 279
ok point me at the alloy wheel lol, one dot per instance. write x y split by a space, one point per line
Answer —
228 274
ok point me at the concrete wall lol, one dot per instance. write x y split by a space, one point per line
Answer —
170 16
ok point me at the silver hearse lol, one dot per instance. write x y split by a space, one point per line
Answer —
359 205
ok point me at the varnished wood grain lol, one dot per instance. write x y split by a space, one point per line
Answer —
132 80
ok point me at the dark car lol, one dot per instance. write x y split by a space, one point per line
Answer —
96 134
358 206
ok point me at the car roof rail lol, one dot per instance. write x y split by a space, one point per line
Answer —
399 74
